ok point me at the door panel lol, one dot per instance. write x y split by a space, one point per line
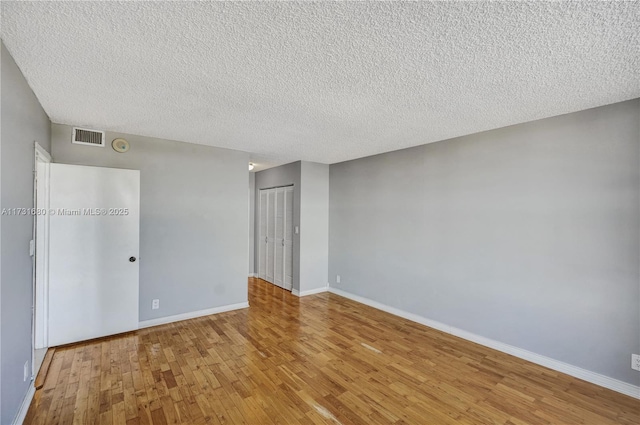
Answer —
93 287
271 194
288 238
262 239
279 238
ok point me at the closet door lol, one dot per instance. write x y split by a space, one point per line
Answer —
262 237
279 238
271 213
275 256
288 238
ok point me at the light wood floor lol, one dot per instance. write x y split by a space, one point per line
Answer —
321 359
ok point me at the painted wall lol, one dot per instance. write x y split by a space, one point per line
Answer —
193 218
23 122
284 175
314 226
528 235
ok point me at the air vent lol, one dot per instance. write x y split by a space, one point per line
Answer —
83 136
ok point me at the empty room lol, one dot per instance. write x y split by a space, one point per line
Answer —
309 212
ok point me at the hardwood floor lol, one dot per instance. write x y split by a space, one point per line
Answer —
44 368
322 359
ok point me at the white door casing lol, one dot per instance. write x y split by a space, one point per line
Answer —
94 231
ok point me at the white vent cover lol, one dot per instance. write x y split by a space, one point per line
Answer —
83 136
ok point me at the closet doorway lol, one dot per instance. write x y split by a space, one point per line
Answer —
275 242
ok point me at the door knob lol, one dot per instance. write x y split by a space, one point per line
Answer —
132 259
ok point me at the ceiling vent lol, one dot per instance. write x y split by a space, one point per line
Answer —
83 136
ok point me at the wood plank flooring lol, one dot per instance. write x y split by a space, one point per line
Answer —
322 359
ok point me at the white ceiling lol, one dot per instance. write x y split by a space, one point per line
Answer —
323 82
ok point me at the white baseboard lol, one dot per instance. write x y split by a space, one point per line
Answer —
190 315
309 292
24 407
253 274
577 372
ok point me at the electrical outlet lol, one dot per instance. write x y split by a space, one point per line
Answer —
155 304
338 278
26 373
635 361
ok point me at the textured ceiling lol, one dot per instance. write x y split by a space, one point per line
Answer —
322 82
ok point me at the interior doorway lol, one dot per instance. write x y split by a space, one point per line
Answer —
40 252
275 240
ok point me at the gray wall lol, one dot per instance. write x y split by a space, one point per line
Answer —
193 218
283 175
314 226
23 122
529 235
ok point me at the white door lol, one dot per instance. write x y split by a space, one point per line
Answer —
278 278
275 256
271 205
288 238
262 232
94 242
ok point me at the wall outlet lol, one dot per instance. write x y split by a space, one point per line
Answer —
635 361
26 374
155 304
337 278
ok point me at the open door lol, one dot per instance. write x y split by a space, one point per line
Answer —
93 256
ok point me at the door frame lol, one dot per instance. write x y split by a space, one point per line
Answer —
40 258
